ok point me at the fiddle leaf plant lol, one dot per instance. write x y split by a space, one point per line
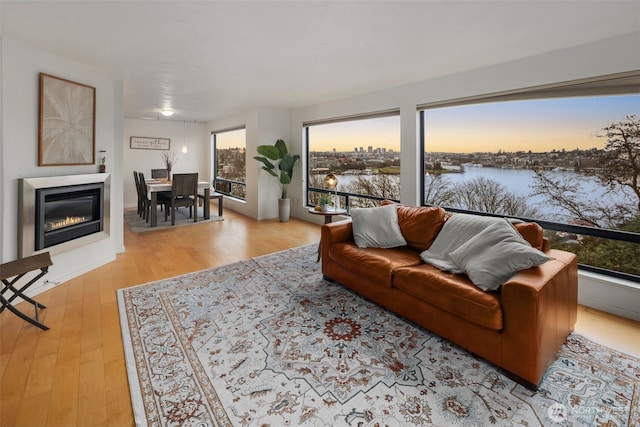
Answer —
277 161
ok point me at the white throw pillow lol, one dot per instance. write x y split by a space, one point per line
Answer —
455 232
495 254
377 227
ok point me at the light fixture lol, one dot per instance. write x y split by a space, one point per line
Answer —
166 112
185 150
331 182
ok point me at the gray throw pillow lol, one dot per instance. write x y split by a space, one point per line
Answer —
495 254
455 232
377 227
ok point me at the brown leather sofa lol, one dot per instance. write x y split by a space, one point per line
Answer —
520 327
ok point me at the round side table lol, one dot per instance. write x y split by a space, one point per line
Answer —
328 217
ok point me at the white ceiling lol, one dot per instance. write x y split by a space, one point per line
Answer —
208 59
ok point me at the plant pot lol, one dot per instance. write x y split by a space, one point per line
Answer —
324 208
284 209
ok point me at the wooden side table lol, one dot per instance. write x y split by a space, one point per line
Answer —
328 218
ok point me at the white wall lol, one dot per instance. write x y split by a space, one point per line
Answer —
21 65
195 135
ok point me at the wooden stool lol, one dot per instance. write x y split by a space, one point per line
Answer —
17 269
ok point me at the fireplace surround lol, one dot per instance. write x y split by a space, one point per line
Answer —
62 213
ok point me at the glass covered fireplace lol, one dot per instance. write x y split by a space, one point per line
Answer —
62 213
67 213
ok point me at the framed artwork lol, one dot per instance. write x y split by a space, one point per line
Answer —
67 122
146 143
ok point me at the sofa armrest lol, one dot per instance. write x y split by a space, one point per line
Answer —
337 232
539 311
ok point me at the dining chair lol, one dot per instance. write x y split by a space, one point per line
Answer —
184 193
146 203
136 178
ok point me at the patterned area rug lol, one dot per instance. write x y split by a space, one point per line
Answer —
268 342
139 225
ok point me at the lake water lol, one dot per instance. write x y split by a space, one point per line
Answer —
518 181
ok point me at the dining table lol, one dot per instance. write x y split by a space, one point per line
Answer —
154 186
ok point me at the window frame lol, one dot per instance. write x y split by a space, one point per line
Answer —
627 83
340 119
214 135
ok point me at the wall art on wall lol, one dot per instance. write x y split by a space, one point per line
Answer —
67 122
146 143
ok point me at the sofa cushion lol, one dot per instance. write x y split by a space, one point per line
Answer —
453 293
495 254
456 231
419 224
376 227
375 264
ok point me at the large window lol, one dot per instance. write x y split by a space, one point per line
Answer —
229 147
569 163
363 152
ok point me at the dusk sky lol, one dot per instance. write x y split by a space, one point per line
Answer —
231 139
538 125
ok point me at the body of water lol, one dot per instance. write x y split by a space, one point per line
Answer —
519 181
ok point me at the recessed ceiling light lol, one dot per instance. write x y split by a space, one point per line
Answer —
167 113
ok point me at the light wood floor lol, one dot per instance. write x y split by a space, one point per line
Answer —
74 374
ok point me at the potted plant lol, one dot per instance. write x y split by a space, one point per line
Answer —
325 201
277 161
169 158
103 161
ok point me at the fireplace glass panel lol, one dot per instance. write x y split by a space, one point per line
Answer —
67 213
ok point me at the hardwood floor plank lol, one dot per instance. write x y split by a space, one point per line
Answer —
40 378
75 374
33 411
119 409
92 400
49 343
14 379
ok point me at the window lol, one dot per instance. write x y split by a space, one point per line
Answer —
229 146
364 154
566 162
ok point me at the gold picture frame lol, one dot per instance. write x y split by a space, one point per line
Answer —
67 122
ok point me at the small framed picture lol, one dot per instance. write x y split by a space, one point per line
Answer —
147 143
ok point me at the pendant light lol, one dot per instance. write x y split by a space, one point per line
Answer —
185 150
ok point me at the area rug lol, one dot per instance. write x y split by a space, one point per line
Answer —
139 225
268 342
